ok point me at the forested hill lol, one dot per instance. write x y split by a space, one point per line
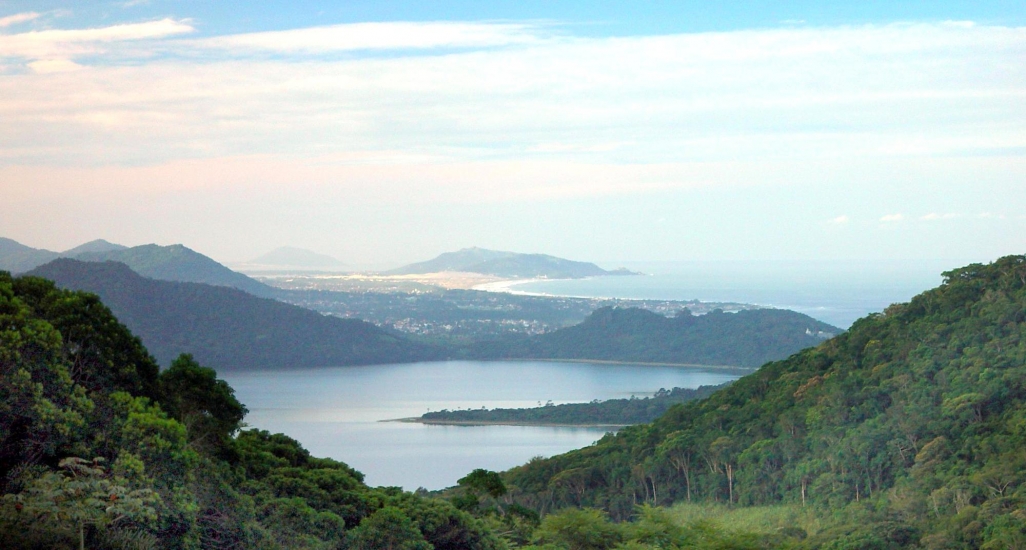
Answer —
168 263
99 450
227 328
507 264
907 430
178 263
747 338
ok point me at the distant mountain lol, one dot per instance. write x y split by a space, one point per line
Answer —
291 257
507 264
99 245
747 338
17 258
461 260
168 263
226 328
178 263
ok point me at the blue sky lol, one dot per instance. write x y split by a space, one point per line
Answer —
386 132
596 18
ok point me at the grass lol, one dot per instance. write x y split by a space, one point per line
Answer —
751 519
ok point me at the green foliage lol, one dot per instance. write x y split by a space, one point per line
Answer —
387 529
82 494
101 354
483 482
227 328
612 412
908 429
579 529
205 405
747 338
181 476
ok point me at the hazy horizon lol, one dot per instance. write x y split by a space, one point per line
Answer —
384 133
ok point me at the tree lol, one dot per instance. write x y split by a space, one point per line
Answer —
387 529
83 494
579 529
206 405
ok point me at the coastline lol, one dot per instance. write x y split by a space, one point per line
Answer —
746 370
506 286
419 420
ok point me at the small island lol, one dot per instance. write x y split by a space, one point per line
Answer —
612 413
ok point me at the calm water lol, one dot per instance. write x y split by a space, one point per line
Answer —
336 412
834 292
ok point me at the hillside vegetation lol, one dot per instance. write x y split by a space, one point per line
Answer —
230 329
746 338
611 412
909 430
98 450
178 263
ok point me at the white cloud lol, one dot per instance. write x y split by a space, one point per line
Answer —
59 43
44 66
891 218
793 94
9 20
377 36
840 220
934 216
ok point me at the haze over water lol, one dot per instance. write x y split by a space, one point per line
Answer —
835 292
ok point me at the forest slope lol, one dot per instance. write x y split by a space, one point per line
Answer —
100 450
178 263
910 429
228 328
746 338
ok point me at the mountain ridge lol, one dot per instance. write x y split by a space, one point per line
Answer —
170 263
506 264
228 328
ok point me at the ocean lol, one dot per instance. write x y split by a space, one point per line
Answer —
835 292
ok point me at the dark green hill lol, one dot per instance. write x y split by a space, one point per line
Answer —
909 430
747 338
18 258
506 264
99 450
227 328
178 263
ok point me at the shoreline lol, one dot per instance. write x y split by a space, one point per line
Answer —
506 286
419 420
748 370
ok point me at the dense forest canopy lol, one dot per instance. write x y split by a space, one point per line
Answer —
909 428
99 449
611 412
747 338
907 431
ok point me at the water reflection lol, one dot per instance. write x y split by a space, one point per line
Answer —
337 412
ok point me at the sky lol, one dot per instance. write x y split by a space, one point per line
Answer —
384 132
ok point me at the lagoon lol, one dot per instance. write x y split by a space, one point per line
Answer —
337 412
